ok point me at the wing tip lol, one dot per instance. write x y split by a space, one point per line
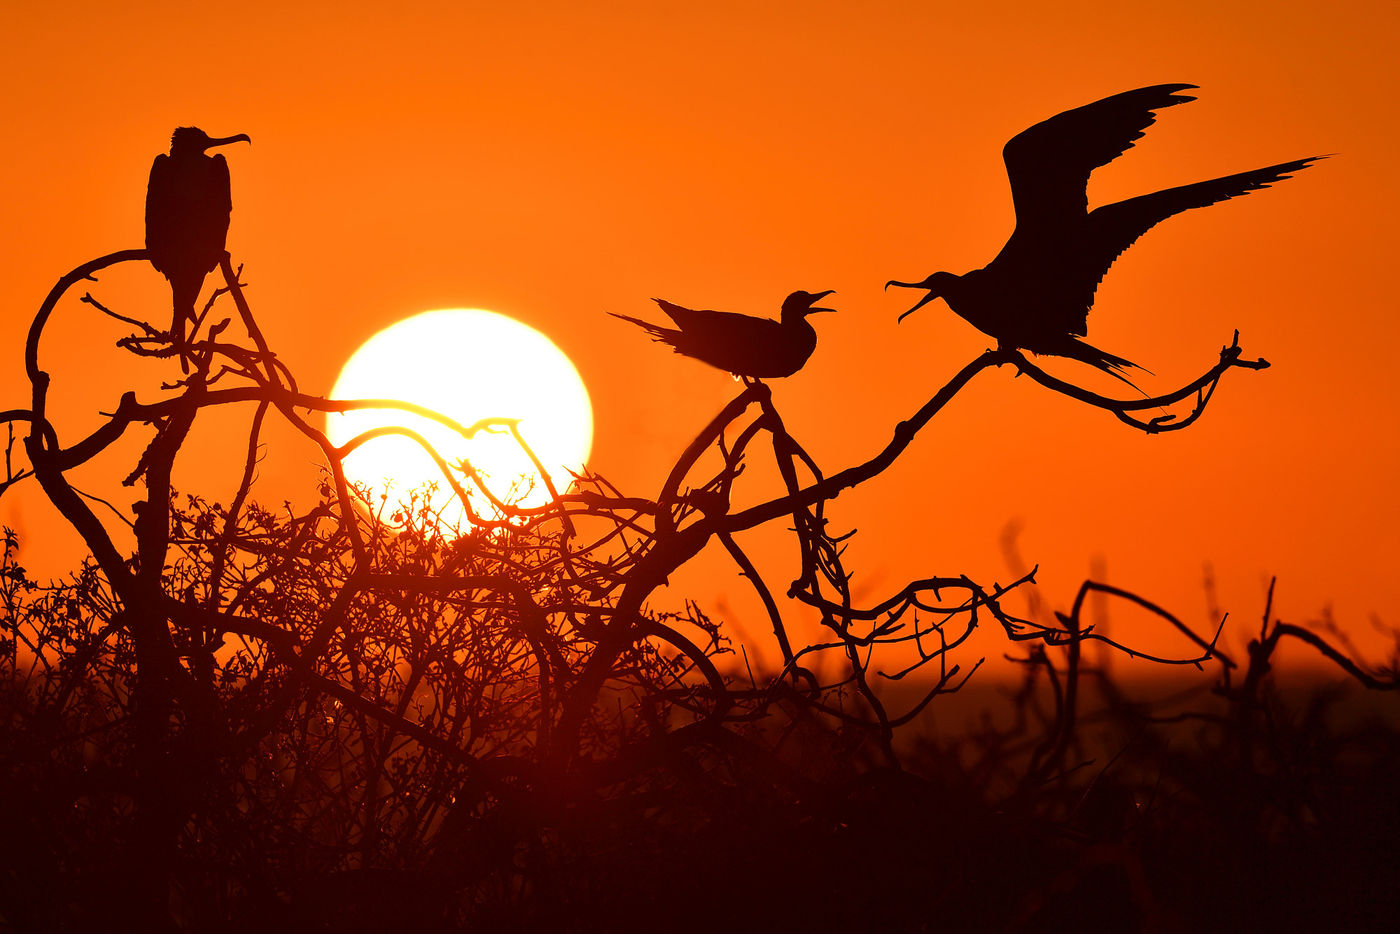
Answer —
1285 170
1170 93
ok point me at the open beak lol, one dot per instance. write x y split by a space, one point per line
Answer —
240 138
912 285
818 297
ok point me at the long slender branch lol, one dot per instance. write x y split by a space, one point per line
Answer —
1202 386
904 434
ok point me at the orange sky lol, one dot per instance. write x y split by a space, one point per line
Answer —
553 161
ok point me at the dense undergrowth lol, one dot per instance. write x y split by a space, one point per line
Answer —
1234 804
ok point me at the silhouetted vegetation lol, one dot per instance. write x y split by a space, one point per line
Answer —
346 717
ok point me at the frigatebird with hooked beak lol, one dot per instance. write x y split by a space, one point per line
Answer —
187 212
748 347
1037 292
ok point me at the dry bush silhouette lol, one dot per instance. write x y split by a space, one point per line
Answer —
331 718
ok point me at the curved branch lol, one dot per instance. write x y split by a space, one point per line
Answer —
1340 660
1209 648
904 433
713 431
1203 386
747 569
723 700
85 271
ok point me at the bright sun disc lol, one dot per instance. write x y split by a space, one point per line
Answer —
467 364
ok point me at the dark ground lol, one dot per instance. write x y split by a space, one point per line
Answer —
1201 812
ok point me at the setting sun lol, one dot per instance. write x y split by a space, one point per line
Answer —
467 364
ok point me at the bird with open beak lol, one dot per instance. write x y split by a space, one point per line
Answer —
748 347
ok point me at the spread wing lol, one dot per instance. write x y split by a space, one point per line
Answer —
1115 227
1049 164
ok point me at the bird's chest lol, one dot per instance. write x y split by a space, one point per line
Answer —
774 351
196 182
1022 289
797 346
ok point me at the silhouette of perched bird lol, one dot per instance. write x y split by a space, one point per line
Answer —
187 211
1037 292
756 348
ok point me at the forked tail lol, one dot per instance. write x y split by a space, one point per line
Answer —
1101 360
658 333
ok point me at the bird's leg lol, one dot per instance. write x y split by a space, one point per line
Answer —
177 344
1009 353
184 292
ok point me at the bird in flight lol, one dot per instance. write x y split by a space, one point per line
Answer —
187 211
1036 294
748 347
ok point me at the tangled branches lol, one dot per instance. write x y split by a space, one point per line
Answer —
357 690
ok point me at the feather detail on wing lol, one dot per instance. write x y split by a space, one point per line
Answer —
1115 227
1049 164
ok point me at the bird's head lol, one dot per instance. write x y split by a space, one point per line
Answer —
798 305
938 286
192 139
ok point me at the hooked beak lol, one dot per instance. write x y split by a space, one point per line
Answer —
818 296
913 285
240 138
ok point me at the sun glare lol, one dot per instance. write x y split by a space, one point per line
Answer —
467 364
